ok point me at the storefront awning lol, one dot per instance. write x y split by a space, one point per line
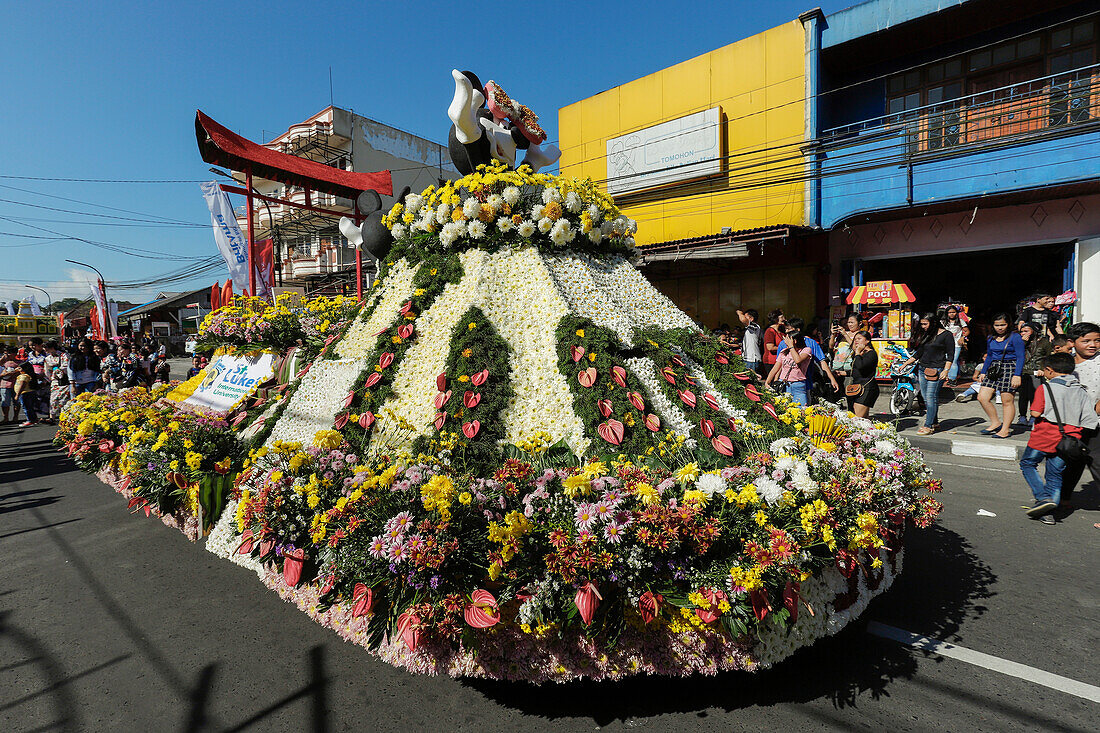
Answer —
220 146
881 292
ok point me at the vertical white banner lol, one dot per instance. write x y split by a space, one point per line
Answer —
112 317
231 243
100 306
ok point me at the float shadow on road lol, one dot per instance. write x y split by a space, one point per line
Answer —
942 584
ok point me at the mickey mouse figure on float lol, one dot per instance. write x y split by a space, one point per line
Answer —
486 125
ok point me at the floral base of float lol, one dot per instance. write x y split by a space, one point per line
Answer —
185 520
511 654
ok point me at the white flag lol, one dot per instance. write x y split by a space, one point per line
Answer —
231 243
100 306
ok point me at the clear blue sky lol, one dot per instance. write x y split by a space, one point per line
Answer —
110 92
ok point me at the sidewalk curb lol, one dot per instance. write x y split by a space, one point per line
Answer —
969 447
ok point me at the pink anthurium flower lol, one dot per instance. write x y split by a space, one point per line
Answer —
442 399
240 419
362 599
722 444
292 566
587 600
406 330
441 382
752 393
407 307
648 605
366 420
372 379
618 375
408 625
653 422
711 400
677 361
266 547
576 352
587 377
470 429
471 399
341 421
482 611
770 409
687 397
637 400
327 583
605 407
612 431
349 399
385 359
707 427
479 379
670 375
440 418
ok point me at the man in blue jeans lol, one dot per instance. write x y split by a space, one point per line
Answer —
1061 388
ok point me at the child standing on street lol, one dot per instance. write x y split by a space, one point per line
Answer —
1061 396
26 391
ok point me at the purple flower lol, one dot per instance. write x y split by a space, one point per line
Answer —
613 533
584 516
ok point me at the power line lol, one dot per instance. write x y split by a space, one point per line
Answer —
90 203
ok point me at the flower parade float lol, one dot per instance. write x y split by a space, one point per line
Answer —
519 460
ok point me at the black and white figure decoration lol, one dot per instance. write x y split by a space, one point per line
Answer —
486 124
371 236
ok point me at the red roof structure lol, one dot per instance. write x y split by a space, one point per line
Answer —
220 146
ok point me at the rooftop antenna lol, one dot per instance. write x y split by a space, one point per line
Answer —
330 104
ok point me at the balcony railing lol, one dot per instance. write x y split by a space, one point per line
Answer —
1043 105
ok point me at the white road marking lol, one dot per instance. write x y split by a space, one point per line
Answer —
968 466
987 661
1005 452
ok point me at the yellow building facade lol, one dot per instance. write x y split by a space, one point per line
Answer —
759 85
750 95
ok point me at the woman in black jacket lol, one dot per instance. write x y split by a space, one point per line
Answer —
934 352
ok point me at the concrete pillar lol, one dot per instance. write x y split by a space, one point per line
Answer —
1087 280
813 23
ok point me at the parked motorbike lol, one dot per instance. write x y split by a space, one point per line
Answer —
903 398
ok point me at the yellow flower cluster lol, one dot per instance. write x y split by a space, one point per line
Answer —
436 495
535 444
749 579
747 496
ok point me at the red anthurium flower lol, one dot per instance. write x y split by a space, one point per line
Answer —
341 420
106 446
240 419
362 599
349 399
576 352
471 399
470 429
648 605
710 615
612 431
247 543
587 377
587 600
386 359
292 566
479 379
440 418
441 399
677 361
637 400
721 358
790 598
760 605
408 625
618 375
406 330
441 382
407 307
482 612
605 407
687 397
688 378
366 420
845 563
743 376
327 582
752 394
711 401
653 422
372 379
266 547
770 409
707 427
669 375
722 444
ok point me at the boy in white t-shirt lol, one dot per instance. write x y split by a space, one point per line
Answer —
752 345
1086 346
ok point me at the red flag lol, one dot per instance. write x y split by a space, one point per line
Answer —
264 255
216 296
227 293
93 321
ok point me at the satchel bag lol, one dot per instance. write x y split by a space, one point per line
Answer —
931 374
1070 448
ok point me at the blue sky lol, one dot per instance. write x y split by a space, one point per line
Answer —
110 92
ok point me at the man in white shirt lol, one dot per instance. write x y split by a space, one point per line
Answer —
1085 338
752 344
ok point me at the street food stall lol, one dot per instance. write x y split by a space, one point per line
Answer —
887 316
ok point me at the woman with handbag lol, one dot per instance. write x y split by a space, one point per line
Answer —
934 349
1002 371
863 391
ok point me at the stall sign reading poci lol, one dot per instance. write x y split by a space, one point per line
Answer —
228 379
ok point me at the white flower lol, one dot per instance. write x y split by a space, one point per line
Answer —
477 229
770 490
536 211
802 481
413 202
781 446
398 231
551 194
511 195
495 201
560 233
505 224
573 202
711 484
471 207
452 230
545 224
443 214
526 228
594 213
595 236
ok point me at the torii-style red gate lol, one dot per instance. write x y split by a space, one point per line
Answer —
220 146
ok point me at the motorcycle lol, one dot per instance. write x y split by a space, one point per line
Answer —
903 398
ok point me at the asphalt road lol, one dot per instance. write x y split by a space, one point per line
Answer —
113 622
